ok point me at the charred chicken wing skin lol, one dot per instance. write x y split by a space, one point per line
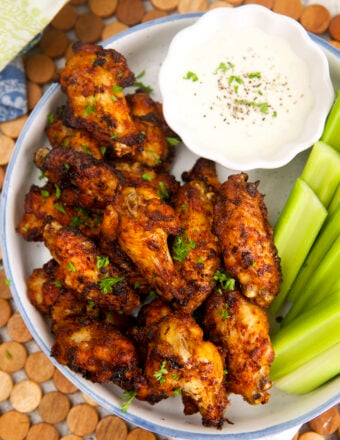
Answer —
246 238
93 80
196 251
241 329
93 180
143 223
86 271
180 361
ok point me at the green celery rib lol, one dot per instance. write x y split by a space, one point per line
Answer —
307 336
322 171
331 132
294 233
335 202
312 374
323 281
328 235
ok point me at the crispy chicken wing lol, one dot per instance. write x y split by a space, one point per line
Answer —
94 181
93 80
44 287
180 361
241 329
156 151
86 271
246 238
196 251
47 201
143 224
79 139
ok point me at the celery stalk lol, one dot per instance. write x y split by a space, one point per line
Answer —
323 281
307 336
312 374
328 234
322 171
331 132
335 202
294 233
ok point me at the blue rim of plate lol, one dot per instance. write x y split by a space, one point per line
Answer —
74 378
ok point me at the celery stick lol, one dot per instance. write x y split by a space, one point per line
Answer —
323 281
335 202
294 233
322 171
331 132
312 374
328 234
307 336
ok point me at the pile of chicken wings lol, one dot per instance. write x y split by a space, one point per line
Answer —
155 285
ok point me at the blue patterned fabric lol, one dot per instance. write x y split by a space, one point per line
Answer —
13 99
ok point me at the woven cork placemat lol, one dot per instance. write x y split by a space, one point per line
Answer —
36 401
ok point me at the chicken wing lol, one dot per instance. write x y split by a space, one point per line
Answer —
156 151
180 361
94 181
79 139
143 223
93 80
196 251
241 329
246 238
47 202
86 271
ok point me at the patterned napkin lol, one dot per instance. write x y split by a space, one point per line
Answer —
21 21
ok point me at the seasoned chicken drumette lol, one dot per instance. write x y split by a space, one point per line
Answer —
93 80
246 238
79 139
86 271
241 330
180 361
47 202
142 222
92 182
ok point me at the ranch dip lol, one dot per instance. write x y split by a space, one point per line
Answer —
243 90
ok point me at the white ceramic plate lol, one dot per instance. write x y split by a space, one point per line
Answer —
145 46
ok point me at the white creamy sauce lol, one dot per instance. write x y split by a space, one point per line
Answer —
244 91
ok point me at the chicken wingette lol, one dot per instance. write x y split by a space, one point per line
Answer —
180 361
241 330
246 238
142 222
86 271
196 250
93 80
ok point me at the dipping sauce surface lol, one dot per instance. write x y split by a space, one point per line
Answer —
243 90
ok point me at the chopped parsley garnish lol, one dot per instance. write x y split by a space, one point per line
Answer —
223 67
192 76
173 141
163 192
44 193
126 399
60 208
181 247
106 284
225 313
57 283
57 191
71 267
159 374
227 283
147 177
102 261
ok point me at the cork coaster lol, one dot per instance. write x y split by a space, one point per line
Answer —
38 367
111 428
6 148
42 431
25 396
4 286
6 385
63 384
54 407
14 425
12 356
5 312
17 329
82 419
